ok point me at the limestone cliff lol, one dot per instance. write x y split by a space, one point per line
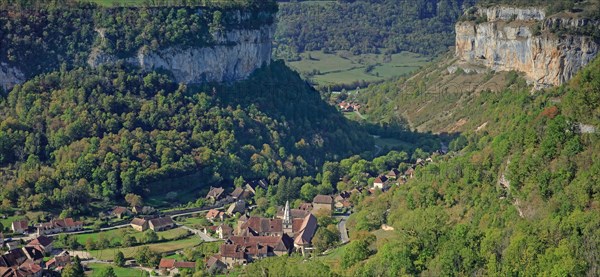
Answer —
197 43
236 54
506 38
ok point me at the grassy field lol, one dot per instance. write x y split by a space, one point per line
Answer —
345 69
334 257
96 269
163 247
117 234
194 220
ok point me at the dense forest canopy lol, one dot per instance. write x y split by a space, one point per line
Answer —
368 26
68 137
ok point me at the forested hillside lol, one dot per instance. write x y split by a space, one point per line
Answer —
69 137
368 26
519 197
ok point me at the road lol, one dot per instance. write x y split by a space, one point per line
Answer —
32 236
202 235
342 228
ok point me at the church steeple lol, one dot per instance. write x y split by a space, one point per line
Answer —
287 219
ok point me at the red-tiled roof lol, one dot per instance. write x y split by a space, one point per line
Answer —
213 213
234 251
41 240
120 210
264 225
21 224
297 224
30 267
276 243
166 263
185 265
307 230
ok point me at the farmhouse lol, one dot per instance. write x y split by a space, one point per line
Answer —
224 231
215 193
214 264
59 226
380 182
120 212
161 224
242 193
139 224
409 173
322 202
20 226
252 186
214 214
393 174
237 207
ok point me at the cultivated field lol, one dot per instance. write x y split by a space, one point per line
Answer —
162 247
96 270
117 235
345 68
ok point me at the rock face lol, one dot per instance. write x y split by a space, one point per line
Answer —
236 55
519 39
10 76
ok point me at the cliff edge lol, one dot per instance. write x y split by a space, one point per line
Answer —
549 50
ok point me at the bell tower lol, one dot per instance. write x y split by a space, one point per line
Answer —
287 219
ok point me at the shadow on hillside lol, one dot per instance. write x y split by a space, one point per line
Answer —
281 93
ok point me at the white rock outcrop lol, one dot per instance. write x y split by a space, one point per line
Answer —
507 42
236 54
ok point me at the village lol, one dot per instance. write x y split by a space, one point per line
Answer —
240 236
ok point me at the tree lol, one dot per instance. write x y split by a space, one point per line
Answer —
119 259
324 239
103 242
150 236
355 252
129 240
108 272
308 192
75 269
147 257
133 199
239 182
90 244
